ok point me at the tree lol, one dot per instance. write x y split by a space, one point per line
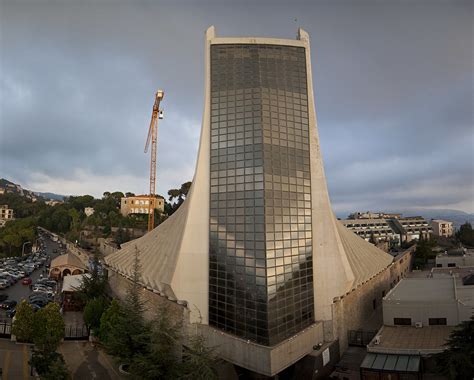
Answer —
457 361
466 235
199 361
93 313
109 321
178 194
93 285
48 327
49 365
23 324
130 334
160 357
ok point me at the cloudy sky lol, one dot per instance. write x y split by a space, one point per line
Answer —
393 87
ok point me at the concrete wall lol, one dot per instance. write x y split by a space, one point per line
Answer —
106 247
262 359
421 311
153 302
354 311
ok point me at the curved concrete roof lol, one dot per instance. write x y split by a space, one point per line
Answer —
158 253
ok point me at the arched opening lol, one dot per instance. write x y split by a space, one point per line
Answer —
66 272
76 271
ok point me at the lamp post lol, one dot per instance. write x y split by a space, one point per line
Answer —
23 248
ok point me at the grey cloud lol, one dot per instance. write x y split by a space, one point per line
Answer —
393 87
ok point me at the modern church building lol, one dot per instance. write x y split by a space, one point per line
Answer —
255 257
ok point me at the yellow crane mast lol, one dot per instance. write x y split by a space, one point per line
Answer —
156 114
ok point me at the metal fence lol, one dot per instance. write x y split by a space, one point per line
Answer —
76 332
360 337
5 329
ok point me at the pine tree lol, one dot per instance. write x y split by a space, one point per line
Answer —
457 361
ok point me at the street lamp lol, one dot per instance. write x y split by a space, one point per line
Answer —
23 248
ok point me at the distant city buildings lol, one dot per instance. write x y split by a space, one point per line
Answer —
442 228
391 229
373 215
6 214
139 204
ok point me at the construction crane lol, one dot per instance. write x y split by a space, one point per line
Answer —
156 114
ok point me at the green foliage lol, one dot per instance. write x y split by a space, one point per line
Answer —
95 284
130 333
466 235
424 252
457 361
48 327
122 236
23 324
49 365
15 233
179 195
199 362
22 206
152 350
109 321
93 312
159 358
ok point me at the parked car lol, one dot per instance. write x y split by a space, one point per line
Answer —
26 281
12 312
8 304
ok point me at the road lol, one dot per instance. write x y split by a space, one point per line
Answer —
19 291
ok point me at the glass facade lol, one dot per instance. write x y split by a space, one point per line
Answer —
260 274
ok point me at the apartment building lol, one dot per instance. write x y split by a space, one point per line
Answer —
139 204
442 227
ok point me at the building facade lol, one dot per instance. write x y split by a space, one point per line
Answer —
6 214
255 254
139 204
442 228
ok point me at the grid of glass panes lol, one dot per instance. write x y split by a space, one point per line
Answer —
260 284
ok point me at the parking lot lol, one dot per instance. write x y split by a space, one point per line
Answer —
18 291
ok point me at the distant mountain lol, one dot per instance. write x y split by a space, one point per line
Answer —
52 196
7 186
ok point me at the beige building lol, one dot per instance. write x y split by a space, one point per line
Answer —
6 214
442 227
139 204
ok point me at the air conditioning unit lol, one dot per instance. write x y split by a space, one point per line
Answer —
377 339
418 325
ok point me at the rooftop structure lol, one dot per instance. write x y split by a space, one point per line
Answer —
255 251
458 258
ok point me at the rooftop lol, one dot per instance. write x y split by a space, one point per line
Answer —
422 289
410 340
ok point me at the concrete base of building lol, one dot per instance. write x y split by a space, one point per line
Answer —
266 360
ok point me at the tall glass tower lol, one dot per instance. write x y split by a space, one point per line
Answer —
254 260
260 257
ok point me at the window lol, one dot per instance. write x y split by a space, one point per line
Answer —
402 321
437 321
451 265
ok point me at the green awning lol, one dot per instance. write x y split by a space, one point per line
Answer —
393 363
